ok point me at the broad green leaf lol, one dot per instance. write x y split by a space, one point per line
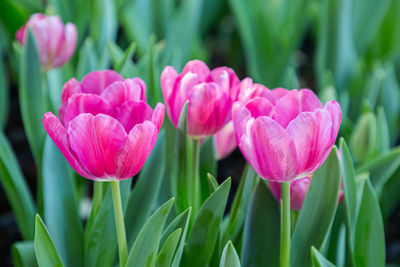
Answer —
318 211
381 168
23 254
31 97
4 95
61 210
87 59
212 183
16 189
383 137
100 238
208 165
144 194
369 244
145 248
261 236
166 254
181 221
318 260
364 137
46 252
237 214
390 195
204 233
229 256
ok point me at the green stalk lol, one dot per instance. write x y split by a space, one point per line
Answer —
119 223
285 224
195 182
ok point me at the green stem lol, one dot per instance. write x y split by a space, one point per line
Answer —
285 224
119 223
195 183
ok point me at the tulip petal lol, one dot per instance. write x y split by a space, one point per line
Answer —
259 106
240 117
127 90
132 113
279 92
335 112
96 81
198 67
227 80
96 140
70 88
158 115
59 135
67 48
134 152
224 141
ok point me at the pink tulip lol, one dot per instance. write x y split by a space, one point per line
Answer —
210 95
106 129
55 42
292 140
255 96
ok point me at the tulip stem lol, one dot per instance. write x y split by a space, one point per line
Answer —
195 183
285 224
119 223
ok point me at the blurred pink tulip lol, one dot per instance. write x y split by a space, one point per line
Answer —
210 95
106 129
292 140
55 42
257 97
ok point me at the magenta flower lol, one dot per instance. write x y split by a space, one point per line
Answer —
257 98
55 42
106 129
291 140
210 95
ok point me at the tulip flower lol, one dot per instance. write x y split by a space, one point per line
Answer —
210 95
106 130
55 42
256 96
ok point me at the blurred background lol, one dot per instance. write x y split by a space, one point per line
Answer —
346 50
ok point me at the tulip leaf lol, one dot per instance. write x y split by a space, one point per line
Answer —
318 260
181 221
381 168
23 254
390 195
208 164
261 236
87 59
383 136
16 189
46 252
237 214
4 95
166 254
32 98
119 67
145 248
369 245
212 183
229 256
318 211
144 194
123 60
100 238
61 206
204 233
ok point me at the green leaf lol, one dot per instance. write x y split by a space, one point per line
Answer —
119 67
318 211
100 237
145 248
208 165
61 210
181 221
318 260
390 195
212 183
381 168
204 233
23 254
31 97
229 256
261 236
369 245
382 137
166 253
46 252
144 194
16 189
4 96
237 214
87 59
123 60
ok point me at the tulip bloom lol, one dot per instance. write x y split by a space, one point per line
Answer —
210 95
106 129
291 140
55 42
259 99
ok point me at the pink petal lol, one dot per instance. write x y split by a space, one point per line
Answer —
127 90
335 112
96 140
132 113
138 146
70 88
279 92
58 134
85 103
227 80
298 192
249 90
293 103
259 106
198 67
224 141
240 117
96 81
158 115
67 48
168 80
